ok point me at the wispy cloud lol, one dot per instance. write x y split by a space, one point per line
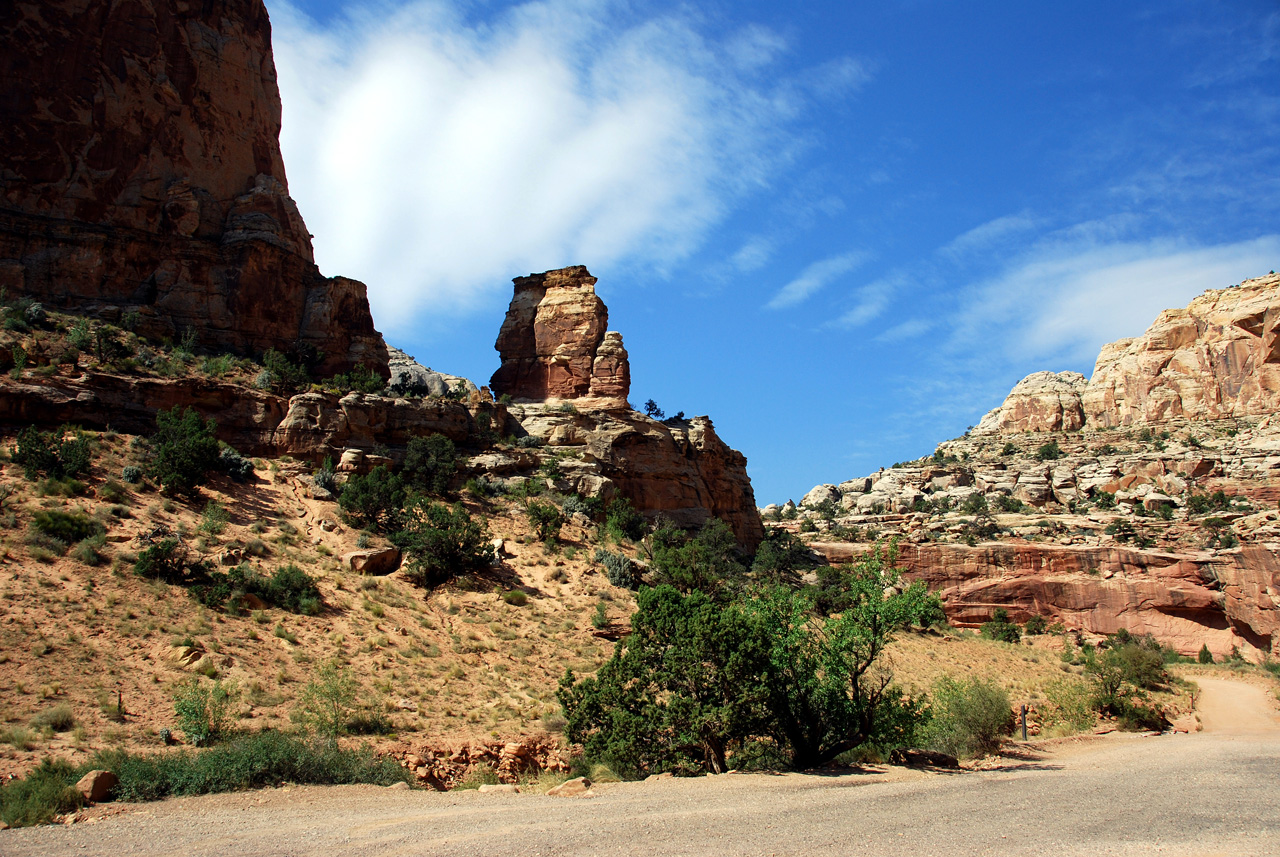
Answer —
907 330
990 233
815 277
434 156
1064 299
869 302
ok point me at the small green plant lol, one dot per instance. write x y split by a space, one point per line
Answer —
41 795
59 718
1205 656
600 619
131 474
204 710
214 518
1035 625
65 527
545 519
326 703
618 568
516 597
1049 451
1000 628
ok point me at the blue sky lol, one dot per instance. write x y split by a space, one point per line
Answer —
842 232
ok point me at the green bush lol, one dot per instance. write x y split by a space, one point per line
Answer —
545 519
1049 451
66 527
235 465
623 522
59 718
91 551
1035 625
165 560
39 452
442 543
429 463
283 374
374 500
1000 628
183 449
967 718
361 379
618 568
292 589
974 504
706 562
781 556
1205 656
289 588
516 597
325 705
47 791
204 710
131 474
1006 503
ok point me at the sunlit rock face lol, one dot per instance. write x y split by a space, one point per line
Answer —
555 345
143 179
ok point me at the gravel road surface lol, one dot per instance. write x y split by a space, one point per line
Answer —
1212 793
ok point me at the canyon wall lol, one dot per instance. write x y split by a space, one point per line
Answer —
143 181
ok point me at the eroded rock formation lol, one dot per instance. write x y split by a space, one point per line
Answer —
555 345
1217 358
143 176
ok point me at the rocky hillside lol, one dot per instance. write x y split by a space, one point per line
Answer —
143 182
1143 498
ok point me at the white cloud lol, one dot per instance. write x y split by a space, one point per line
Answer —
435 158
1065 299
906 330
815 277
987 234
869 302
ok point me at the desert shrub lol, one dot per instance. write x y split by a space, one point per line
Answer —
204 710
545 519
51 454
966 718
1035 625
623 522
255 760
1067 705
529 442
1121 674
374 500
132 474
58 718
974 504
1049 451
618 568
1007 503
326 478
45 792
429 463
214 518
112 491
66 527
1205 656
1105 500
283 374
326 703
516 597
235 465
576 504
1000 628
164 560
292 589
183 449
361 379
91 551
442 543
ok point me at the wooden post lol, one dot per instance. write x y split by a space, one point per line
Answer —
1024 721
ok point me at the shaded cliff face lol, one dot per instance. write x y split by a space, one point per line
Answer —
142 173
555 345
1218 358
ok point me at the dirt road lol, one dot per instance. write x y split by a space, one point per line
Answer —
1216 792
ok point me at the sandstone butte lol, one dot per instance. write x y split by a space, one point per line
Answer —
143 184
1107 527
143 180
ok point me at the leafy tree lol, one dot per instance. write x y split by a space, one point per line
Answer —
652 410
707 562
375 500
441 543
678 690
282 374
429 463
780 556
184 448
624 522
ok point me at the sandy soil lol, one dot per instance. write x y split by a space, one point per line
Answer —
1213 792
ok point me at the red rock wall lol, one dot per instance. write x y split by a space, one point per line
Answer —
1222 600
142 172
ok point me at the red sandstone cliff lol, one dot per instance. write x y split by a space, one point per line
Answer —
142 172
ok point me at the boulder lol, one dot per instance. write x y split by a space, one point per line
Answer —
375 561
96 786
571 788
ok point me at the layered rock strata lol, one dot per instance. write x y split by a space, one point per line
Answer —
1218 358
555 345
143 180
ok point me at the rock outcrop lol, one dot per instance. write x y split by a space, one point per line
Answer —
143 181
1186 600
1218 358
555 345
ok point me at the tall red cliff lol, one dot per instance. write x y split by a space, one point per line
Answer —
142 174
